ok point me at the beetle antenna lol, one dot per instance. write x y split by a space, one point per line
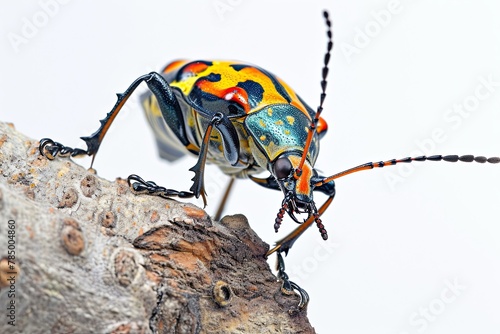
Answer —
324 75
371 165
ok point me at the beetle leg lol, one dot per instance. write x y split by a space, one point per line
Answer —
229 135
51 149
230 139
222 204
168 104
149 187
269 183
198 187
288 287
230 144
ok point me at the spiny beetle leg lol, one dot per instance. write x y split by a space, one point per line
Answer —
139 186
168 104
198 187
94 140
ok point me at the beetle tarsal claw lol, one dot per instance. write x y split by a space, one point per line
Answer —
304 296
288 287
50 149
46 148
150 188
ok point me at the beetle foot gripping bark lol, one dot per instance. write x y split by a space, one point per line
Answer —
50 149
288 287
150 188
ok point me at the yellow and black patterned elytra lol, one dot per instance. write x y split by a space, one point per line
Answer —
268 116
245 120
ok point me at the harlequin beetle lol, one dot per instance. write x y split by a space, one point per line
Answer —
261 125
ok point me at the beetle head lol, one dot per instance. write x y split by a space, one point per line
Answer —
298 190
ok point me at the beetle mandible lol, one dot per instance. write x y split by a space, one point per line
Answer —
245 120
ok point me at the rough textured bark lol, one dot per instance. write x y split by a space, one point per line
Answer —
93 257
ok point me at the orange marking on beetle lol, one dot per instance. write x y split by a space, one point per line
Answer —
229 81
231 77
196 68
303 185
322 125
173 65
236 94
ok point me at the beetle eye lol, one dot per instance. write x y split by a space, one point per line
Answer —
282 168
233 110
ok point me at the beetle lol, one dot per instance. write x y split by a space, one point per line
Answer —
245 120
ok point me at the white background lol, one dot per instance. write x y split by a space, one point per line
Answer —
391 249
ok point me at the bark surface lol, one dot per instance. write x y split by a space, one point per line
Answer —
92 257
